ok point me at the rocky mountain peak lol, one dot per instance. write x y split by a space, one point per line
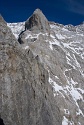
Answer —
38 11
1 19
37 22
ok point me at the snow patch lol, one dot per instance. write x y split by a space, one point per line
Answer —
75 94
55 86
56 77
52 36
54 42
59 36
16 28
65 121
26 47
70 90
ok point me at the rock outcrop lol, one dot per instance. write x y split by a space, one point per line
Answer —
26 97
37 22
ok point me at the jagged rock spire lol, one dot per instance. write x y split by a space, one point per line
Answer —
37 22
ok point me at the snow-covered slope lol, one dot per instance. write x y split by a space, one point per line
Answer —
62 52
16 28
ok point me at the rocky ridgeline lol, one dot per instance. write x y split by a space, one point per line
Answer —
26 97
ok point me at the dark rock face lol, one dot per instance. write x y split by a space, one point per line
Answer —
37 22
1 121
26 98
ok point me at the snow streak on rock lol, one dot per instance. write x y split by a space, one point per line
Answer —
16 28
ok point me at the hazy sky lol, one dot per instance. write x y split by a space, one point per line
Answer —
61 11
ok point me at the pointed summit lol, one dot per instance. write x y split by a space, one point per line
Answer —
37 22
37 11
2 20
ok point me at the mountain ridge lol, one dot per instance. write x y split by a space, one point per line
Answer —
25 95
61 51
